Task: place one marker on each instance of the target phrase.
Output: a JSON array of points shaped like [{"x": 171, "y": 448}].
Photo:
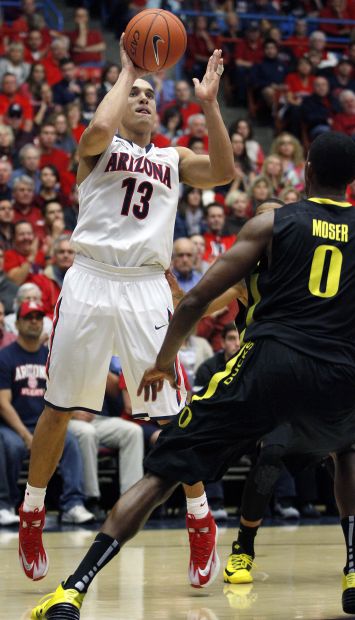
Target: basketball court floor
[{"x": 298, "y": 576}]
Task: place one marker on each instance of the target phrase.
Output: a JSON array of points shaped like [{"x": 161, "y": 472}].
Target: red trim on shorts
[{"x": 55, "y": 323}]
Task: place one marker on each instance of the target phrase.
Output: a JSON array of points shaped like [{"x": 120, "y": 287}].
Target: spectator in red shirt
[
  {"x": 5, "y": 175},
  {"x": 10, "y": 94},
  {"x": 183, "y": 103},
  {"x": 74, "y": 120},
  {"x": 342, "y": 77},
  {"x": 335, "y": 9},
  {"x": 50, "y": 155},
  {"x": 318, "y": 43},
  {"x": 51, "y": 281},
  {"x": 157, "y": 138},
  {"x": 34, "y": 47},
  {"x": 298, "y": 41},
  {"x": 344, "y": 121},
  {"x": 217, "y": 242},
  {"x": 87, "y": 46},
  {"x": 24, "y": 259},
  {"x": 200, "y": 45},
  {"x": 21, "y": 25},
  {"x": 25, "y": 206},
  {"x": 299, "y": 85},
  {"x": 196, "y": 129},
  {"x": 59, "y": 49},
  {"x": 248, "y": 51},
  {"x": 7, "y": 139}
]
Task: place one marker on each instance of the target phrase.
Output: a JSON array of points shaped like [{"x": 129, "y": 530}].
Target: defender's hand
[
  {"x": 207, "y": 89},
  {"x": 153, "y": 380}
]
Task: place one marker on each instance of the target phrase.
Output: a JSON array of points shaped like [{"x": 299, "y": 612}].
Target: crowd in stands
[{"x": 297, "y": 76}]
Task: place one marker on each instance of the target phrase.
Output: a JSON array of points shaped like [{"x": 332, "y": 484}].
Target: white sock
[
  {"x": 197, "y": 506},
  {"x": 34, "y": 498}
]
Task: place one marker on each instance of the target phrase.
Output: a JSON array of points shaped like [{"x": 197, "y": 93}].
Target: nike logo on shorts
[{"x": 160, "y": 326}]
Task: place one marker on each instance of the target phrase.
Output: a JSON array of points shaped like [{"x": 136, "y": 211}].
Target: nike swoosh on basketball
[
  {"x": 205, "y": 571},
  {"x": 160, "y": 326},
  {"x": 155, "y": 40},
  {"x": 27, "y": 566}
]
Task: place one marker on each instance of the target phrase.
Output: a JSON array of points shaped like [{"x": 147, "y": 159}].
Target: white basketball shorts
[{"x": 104, "y": 311}]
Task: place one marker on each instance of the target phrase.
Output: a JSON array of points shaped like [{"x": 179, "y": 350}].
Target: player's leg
[{"x": 344, "y": 489}]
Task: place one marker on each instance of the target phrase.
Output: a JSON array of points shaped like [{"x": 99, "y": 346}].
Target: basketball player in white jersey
[{"x": 115, "y": 298}]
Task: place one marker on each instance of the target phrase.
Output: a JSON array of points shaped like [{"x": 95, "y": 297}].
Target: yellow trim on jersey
[
  {"x": 328, "y": 201},
  {"x": 232, "y": 368},
  {"x": 255, "y": 295}
]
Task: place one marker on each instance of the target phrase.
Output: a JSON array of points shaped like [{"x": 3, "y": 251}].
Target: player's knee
[
  {"x": 56, "y": 418},
  {"x": 162, "y": 488}
]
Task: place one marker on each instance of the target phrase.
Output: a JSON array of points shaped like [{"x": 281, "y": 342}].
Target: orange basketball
[{"x": 155, "y": 39}]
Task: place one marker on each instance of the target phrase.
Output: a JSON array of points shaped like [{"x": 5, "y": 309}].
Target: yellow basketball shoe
[
  {"x": 59, "y": 605},
  {"x": 238, "y": 566},
  {"x": 348, "y": 598}
]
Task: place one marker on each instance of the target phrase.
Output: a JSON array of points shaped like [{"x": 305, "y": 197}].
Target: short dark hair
[
  {"x": 65, "y": 61},
  {"x": 229, "y": 327},
  {"x": 332, "y": 156}
]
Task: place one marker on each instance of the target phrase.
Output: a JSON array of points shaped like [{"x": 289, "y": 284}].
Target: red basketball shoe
[
  {"x": 32, "y": 555},
  {"x": 204, "y": 561}
]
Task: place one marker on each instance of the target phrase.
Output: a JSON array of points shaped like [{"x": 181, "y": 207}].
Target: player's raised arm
[
  {"x": 98, "y": 135},
  {"x": 253, "y": 241},
  {"x": 216, "y": 168}
]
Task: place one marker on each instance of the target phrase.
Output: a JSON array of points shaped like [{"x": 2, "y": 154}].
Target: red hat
[{"x": 29, "y": 306}]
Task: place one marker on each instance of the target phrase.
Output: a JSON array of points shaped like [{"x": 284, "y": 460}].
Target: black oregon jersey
[{"x": 305, "y": 298}]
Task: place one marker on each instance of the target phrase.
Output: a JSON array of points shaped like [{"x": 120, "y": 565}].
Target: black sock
[
  {"x": 246, "y": 537},
  {"x": 348, "y": 525},
  {"x": 103, "y": 549}
]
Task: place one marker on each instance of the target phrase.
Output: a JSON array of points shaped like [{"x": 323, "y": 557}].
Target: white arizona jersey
[{"x": 127, "y": 206}]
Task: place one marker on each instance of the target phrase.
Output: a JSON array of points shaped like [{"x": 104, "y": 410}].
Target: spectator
[
  {"x": 7, "y": 140},
  {"x": 342, "y": 77},
  {"x": 197, "y": 128},
  {"x": 183, "y": 102},
  {"x": 237, "y": 203},
  {"x": 319, "y": 108},
  {"x": 45, "y": 107},
  {"x": 290, "y": 151},
  {"x": 344, "y": 121},
  {"x": 31, "y": 89},
  {"x": 197, "y": 145},
  {"x": 34, "y": 47},
  {"x": 29, "y": 156},
  {"x": 200, "y": 45},
  {"x": 109, "y": 78},
  {"x": 7, "y": 505},
  {"x": 157, "y": 138},
  {"x": 6, "y": 338},
  {"x": 182, "y": 264},
  {"x": 27, "y": 292},
  {"x": 14, "y": 119},
  {"x": 74, "y": 119},
  {"x": 69, "y": 88},
  {"x": 14, "y": 63},
  {"x": 89, "y": 103},
  {"x": 63, "y": 257},
  {"x": 299, "y": 85},
  {"x": 298, "y": 41},
  {"x": 254, "y": 151},
  {"x": 50, "y": 188},
  {"x": 244, "y": 166},
  {"x": 59, "y": 49},
  {"x": 290, "y": 194},
  {"x": 318, "y": 43},
  {"x": 5, "y": 175},
  {"x": 268, "y": 76},
  {"x": 86, "y": 46},
  {"x": 192, "y": 211},
  {"x": 199, "y": 264},
  {"x": 172, "y": 124},
  {"x": 232, "y": 31},
  {"x": 335, "y": 9},
  {"x": 230, "y": 346},
  {"x": 8, "y": 289},
  {"x": 50, "y": 156},
  {"x": 259, "y": 191},
  {"x": 248, "y": 52},
  {"x": 24, "y": 259},
  {"x": 164, "y": 88},
  {"x": 192, "y": 353},
  {"x": 6, "y": 224},
  {"x": 285, "y": 52},
  {"x": 22, "y": 24},
  {"x": 10, "y": 94},
  {"x": 272, "y": 170},
  {"x": 217, "y": 242},
  {"x": 65, "y": 140},
  {"x": 22, "y": 387},
  {"x": 25, "y": 209},
  {"x": 109, "y": 432}
]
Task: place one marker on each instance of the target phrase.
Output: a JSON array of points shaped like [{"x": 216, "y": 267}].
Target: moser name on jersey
[
  {"x": 327, "y": 230},
  {"x": 128, "y": 163},
  {"x": 25, "y": 371}
]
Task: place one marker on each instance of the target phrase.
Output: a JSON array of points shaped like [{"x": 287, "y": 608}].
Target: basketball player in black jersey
[{"x": 297, "y": 365}]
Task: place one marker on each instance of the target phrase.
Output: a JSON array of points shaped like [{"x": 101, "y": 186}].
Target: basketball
[{"x": 155, "y": 39}]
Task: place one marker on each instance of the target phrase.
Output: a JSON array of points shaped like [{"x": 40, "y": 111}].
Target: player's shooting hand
[
  {"x": 153, "y": 380},
  {"x": 207, "y": 89},
  {"x": 127, "y": 64}
]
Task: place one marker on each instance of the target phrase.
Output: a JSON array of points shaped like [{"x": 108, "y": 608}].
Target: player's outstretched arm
[
  {"x": 216, "y": 168},
  {"x": 98, "y": 135},
  {"x": 254, "y": 240}
]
